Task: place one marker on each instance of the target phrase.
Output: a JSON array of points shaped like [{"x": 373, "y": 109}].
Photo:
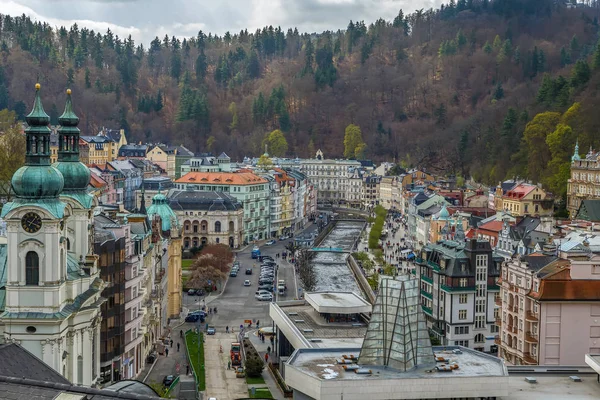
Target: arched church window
[
  {"x": 32, "y": 268},
  {"x": 218, "y": 226}
]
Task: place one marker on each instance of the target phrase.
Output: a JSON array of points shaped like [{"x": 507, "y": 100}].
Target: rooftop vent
[
  {"x": 298, "y": 321},
  {"x": 292, "y": 313},
  {"x": 343, "y": 361},
  {"x": 530, "y": 379},
  {"x": 575, "y": 378},
  {"x": 316, "y": 340},
  {"x": 307, "y": 330},
  {"x": 363, "y": 371},
  {"x": 457, "y": 351},
  {"x": 351, "y": 367}
]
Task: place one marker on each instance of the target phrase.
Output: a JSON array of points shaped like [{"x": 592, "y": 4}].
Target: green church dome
[
  {"x": 37, "y": 182},
  {"x": 76, "y": 175},
  {"x": 160, "y": 206}
]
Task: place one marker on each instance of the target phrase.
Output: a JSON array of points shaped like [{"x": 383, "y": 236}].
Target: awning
[
  {"x": 410, "y": 256},
  {"x": 406, "y": 251}
]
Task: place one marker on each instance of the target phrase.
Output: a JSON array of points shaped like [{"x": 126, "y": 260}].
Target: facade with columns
[
  {"x": 49, "y": 280},
  {"x": 584, "y": 183}
]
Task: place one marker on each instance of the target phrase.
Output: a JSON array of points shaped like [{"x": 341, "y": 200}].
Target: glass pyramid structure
[{"x": 397, "y": 336}]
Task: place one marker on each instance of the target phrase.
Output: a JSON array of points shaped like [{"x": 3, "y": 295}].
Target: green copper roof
[
  {"x": 76, "y": 175},
  {"x": 37, "y": 116},
  {"x": 85, "y": 199},
  {"x": 55, "y": 207},
  {"x": 160, "y": 206},
  {"x": 68, "y": 117},
  {"x": 37, "y": 182}
]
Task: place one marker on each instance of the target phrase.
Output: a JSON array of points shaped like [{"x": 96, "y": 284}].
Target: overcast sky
[{"x": 145, "y": 19}]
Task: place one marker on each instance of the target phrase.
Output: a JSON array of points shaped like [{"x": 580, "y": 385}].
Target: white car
[
  {"x": 262, "y": 291},
  {"x": 270, "y": 242},
  {"x": 264, "y": 297},
  {"x": 247, "y": 282}
]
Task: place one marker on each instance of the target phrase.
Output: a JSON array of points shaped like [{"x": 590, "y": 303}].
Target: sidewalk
[
  {"x": 221, "y": 382},
  {"x": 262, "y": 350}
]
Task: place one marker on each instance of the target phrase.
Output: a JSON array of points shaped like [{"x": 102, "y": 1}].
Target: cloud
[{"x": 145, "y": 19}]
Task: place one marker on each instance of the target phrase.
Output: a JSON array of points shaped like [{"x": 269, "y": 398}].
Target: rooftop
[
  {"x": 339, "y": 303},
  {"x": 222, "y": 178},
  {"x": 323, "y": 364}
]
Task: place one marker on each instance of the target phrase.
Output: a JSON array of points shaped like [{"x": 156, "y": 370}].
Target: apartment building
[
  {"x": 458, "y": 283},
  {"x": 525, "y": 199},
  {"x": 330, "y": 177},
  {"x": 371, "y": 188},
  {"x": 354, "y": 193},
  {"x": 550, "y": 308},
  {"x": 584, "y": 183},
  {"x": 248, "y": 188},
  {"x": 387, "y": 188}
]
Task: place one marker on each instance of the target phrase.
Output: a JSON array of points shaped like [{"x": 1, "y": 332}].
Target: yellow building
[
  {"x": 104, "y": 147},
  {"x": 165, "y": 157},
  {"x": 526, "y": 199},
  {"x": 584, "y": 183}
]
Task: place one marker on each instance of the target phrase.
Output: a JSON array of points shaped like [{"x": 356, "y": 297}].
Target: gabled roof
[
  {"x": 494, "y": 226},
  {"x": 589, "y": 210},
  {"x": 17, "y": 362},
  {"x": 520, "y": 191}
]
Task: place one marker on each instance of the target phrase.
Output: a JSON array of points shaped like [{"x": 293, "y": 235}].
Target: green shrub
[{"x": 254, "y": 367}]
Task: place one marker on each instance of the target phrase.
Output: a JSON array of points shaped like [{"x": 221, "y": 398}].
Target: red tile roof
[
  {"x": 494, "y": 226},
  {"x": 519, "y": 191},
  {"x": 222, "y": 178}
]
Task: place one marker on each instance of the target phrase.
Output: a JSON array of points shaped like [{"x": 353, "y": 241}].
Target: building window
[
  {"x": 462, "y": 298},
  {"x": 462, "y": 314},
  {"x": 32, "y": 268},
  {"x": 463, "y": 282},
  {"x": 480, "y": 322},
  {"x": 479, "y": 338},
  {"x": 218, "y": 226}
]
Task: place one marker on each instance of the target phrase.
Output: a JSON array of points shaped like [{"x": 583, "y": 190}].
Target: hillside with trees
[{"x": 482, "y": 88}]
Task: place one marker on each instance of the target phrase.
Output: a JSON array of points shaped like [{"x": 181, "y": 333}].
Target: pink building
[{"x": 550, "y": 308}]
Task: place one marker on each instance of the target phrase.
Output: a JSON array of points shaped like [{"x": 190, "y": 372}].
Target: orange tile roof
[
  {"x": 494, "y": 226},
  {"x": 520, "y": 191},
  {"x": 577, "y": 290},
  {"x": 97, "y": 182},
  {"x": 222, "y": 178}
]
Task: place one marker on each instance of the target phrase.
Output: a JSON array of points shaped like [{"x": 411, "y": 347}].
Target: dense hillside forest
[{"x": 482, "y": 88}]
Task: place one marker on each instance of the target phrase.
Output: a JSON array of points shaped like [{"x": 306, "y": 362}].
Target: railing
[
  {"x": 497, "y": 340},
  {"x": 427, "y": 310},
  {"x": 498, "y": 321},
  {"x": 529, "y": 359},
  {"x": 427, "y": 294},
  {"x": 531, "y": 317},
  {"x": 498, "y": 301},
  {"x": 530, "y": 338}
]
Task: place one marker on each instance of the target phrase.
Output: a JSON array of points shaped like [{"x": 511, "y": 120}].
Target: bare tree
[{"x": 306, "y": 270}]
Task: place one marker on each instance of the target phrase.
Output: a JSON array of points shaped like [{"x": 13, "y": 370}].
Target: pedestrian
[
  {"x": 257, "y": 323},
  {"x": 229, "y": 364},
  {"x": 272, "y": 340},
  {"x": 269, "y": 349},
  {"x": 178, "y": 344},
  {"x": 227, "y": 329},
  {"x": 166, "y": 352},
  {"x": 266, "y": 357},
  {"x": 181, "y": 333},
  {"x": 263, "y": 338},
  {"x": 171, "y": 343},
  {"x": 187, "y": 369}
]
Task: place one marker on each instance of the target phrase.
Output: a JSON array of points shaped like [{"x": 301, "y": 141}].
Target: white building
[{"x": 49, "y": 281}]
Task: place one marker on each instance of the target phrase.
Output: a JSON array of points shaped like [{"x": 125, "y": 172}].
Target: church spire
[
  {"x": 143, "y": 201},
  {"x": 77, "y": 175},
  {"x": 37, "y": 133},
  {"x": 576, "y": 152}
]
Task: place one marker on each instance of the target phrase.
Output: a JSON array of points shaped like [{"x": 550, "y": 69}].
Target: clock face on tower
[{"x": 31, "y": 222}]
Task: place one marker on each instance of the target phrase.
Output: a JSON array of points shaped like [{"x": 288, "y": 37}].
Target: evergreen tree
[
  {"x": 158, "y": 104},
  {"x": 499, "y": 92},
  {"x": 201, "y": 66},
  {"x": 253, "y": 68},
  {"x": 308, "y": 57},
  {"x": 565, "y": 57},
  {"x": 580, "y": 74},
  {"x": 88, "y": 83},
  {"x": 487, "y": 48},
  {"x": 70, "y": 76},
  {"x": 175, "y": 64},
  {"x": 596, "y": 58}
]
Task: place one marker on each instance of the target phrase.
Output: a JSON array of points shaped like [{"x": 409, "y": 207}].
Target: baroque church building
[{"x": 49, "y": 280}]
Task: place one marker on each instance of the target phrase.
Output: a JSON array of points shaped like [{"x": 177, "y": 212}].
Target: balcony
[
  {"x": 427, "y": 310},
  {"x": 531, "y": 317},
  {"x": 498, "y": 301},
  {"x": 426, "y": 294},
  {"x": 498, "y": 321},
  {"x": 529, "y": 338},
  {"x": 134, "y": 322},
  {"x": 529, "y": 359},
  {"x": 497, "y": 340},
  {"x": 511, "y": 350}
]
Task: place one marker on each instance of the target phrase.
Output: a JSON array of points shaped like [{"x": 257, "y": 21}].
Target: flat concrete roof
[
  {"x": 322, "y": 364},
  {"x": 338, "y": 303},
  {"x": 553, "y": 387}
]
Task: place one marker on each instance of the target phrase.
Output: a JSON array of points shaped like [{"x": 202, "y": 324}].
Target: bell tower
[{"x": 36, "y": 250}]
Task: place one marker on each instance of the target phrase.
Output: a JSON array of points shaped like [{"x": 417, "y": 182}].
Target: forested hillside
[{"x": 451, "y": 89}]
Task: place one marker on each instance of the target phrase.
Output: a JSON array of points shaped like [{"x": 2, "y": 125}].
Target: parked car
[
  {"x": 233, "y": 273},
  {"x": 258, "y": 292},
  {"x": 199, "y": 292},
  {"x": 265, "y": 281},
  {"x": 248, "y": 271},
  {"x": 264, "y": 297},
  {"x": 263, "y": 258},
  {"x": 247, "y": 282},
  {"x": 271, "y": 242},
  {"x": 211, "y": 330},
  {"x": 268, "y": 288},
  {"x": 168, "y": 380},
  {"x": 151, "y": 358},
  {"x": 191, "y": 292},
  {"x": 267, "y": 276}
]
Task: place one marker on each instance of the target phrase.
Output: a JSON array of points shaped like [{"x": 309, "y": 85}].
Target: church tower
[
  {"x": 77, "y": 178},
  {"x": 52, "y": 301}
]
